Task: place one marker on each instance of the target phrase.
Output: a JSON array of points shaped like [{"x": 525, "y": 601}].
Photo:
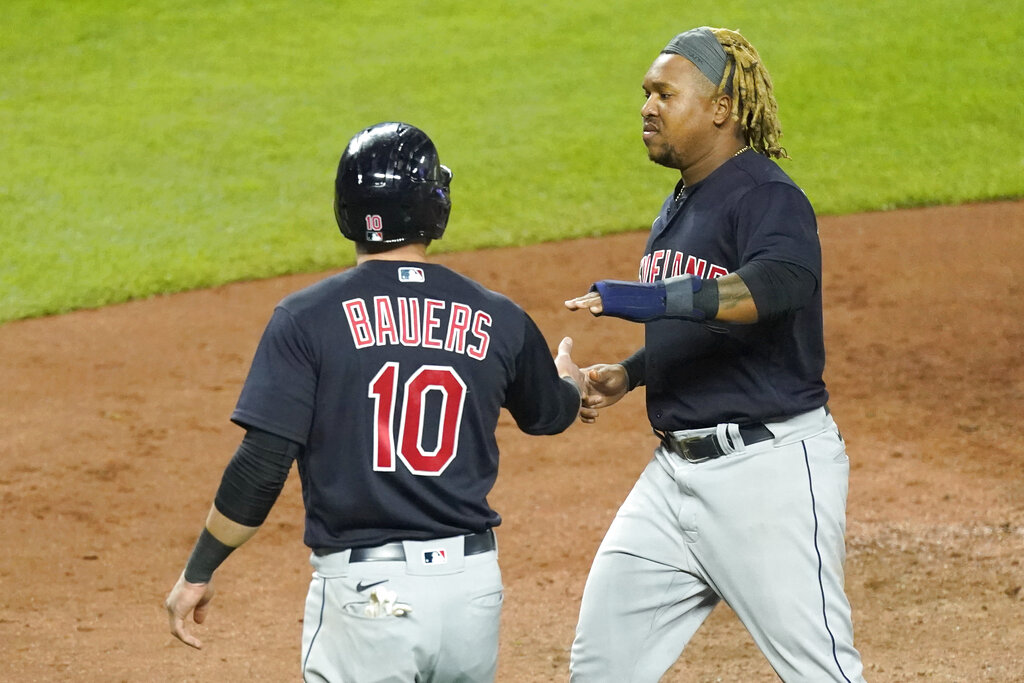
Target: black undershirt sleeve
[
  {"x": 635, "y": 369},
  {"x": 777, "y": 287},
  {"x": 540, "y": 401},
  {"x": 255, "y": 476}
]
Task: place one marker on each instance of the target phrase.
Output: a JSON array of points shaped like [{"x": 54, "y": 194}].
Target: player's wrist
[
  {"x": 684, "y": 296},
  {"x": 634, "y": 301},
  {"x": 691, "y": 298},
  {"x": 634, "y": 368},
  {"x": 575, "y": 384},
  {"x": 207, "y": 555}
]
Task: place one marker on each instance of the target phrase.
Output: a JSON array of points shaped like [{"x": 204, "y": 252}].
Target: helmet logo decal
[{"x": 374, "y": 226}]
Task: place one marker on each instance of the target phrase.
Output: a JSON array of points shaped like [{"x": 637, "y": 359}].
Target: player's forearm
[
  {"x": 735, "y": 303},
  {"x": 227, "y": 531},
  {"x": 558, "y": 407},
  {"x": 763, "y": 290},
  {"x": 219, "y": 538},
  {"x": 685, "y": 297},
  {"x": 248, "y": 489},
  {"x": 759, "y": 290}
]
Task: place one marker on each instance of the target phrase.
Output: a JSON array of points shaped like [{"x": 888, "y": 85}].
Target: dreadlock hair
[{"x": 753, "y": 102}]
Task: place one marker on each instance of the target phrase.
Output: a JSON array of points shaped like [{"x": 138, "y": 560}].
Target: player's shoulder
[
  {"x": 757, "y": 169},
  {"x": 754, "y": 178},
  {"x": 467, "y": 287},
  {"x": 316, "y": 294}
]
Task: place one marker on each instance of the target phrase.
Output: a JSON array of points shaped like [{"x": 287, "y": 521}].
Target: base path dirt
[{"x": 115, "y": 433}]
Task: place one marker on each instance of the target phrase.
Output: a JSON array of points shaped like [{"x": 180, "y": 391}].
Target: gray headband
[{"x": 700, "y": 46}]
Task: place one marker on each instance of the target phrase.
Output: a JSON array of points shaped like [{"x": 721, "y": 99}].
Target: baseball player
[
  {"x": 384, "y": 384},
  {"x": 745, "y": 497}
]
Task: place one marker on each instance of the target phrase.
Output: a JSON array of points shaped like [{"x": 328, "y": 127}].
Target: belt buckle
[{"x": 683, "y": 446}]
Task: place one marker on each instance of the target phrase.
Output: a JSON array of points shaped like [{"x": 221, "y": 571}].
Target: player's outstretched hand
[
  {"x": 567, "y": 366},
  {"x": 605, "y": 385},
  {"x": 590, "y": 301},
  {"x": 184, "y": 599}
]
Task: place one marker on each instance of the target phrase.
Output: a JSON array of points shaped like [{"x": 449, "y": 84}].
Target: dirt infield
[{"x": 115, "y": 433}]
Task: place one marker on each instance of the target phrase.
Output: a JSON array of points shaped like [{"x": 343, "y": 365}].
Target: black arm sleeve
[
  {"x": 207, "y": 554},
  {"x": 777, "y": 287},
  {"x": 255, "y": 476},
  {"x": 540, "y": 401},
  {"x": 635, "y": 368}
]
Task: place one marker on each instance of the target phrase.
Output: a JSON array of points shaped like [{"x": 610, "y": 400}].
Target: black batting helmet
[{"x": 391, "y": 188}]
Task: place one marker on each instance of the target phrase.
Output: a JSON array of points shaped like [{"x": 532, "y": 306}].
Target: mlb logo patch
[
  {"x": 408, "y": 274},
  {"x": 374, "y": 225},
  {"x": 435, "y": 556}
]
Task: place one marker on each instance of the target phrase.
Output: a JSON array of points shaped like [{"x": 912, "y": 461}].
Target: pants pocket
[{"x": 489, "y": 600}]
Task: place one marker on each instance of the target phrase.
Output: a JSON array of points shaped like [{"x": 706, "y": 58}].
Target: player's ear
[{"x": 722, "y": 108}]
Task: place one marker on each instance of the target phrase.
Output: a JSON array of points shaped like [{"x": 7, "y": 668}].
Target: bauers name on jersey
[{"x": 411, "y": 321}]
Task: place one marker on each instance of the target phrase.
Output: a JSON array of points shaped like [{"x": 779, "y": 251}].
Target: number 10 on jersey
[{"x": 383, "y": 390}]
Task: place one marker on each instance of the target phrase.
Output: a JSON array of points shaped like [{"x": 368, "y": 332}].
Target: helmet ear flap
[{"x": 390, "y": 187}]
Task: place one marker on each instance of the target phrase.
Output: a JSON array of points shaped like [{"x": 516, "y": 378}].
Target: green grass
[{"x": 155, "y": 147}]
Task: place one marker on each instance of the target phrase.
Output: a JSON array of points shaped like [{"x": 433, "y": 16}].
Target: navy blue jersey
[
  {"x": 698, "y": 374},
  {"x": 391, "y": 375}
]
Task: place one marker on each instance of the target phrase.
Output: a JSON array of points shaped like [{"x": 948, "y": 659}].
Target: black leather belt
[
  {"x": 473, "y": 544},
  {"x": 699, "y": 448}
]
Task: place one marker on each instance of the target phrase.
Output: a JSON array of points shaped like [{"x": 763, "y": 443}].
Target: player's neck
[
  {"x": 724, "y": 149},
  {"x": 406, "y": 252}
]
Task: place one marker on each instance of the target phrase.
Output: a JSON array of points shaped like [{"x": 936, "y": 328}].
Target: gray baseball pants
[
  {"x": 450, "y": 634},
  {"x": 761, "y": 528}
]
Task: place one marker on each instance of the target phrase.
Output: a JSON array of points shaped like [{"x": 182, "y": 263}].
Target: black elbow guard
[{"x": 255, "y": 476}]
